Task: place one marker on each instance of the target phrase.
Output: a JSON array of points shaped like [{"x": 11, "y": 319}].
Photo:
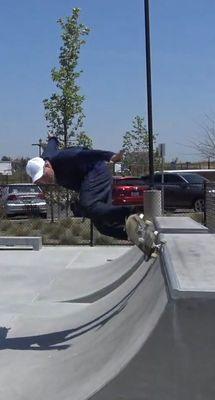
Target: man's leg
[
  {"x": 115, "y": 230},
  {"x": 110, "y": 213},
  {"x": 95, "y": 197}
]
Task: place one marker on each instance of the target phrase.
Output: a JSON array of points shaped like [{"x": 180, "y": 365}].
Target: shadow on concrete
[{"x": 54, "y": 340}]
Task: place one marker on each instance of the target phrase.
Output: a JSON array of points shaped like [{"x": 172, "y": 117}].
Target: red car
[{"x": 128, "y": 190}]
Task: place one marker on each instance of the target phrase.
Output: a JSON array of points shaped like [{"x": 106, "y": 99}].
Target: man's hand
[
  {"x": 51, "y": 135},
  {"x": 117, "y": 157}
]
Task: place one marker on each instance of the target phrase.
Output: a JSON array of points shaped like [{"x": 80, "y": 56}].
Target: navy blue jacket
[{"x": 72, "y": 164}]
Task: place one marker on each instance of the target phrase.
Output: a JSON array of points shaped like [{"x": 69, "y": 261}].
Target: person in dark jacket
[{"x": 88, "y": 173}]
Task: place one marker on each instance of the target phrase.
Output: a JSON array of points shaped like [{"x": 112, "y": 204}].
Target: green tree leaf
[{"x": 136, "y": 147}]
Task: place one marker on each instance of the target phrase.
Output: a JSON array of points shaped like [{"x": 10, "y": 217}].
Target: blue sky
[{"x": 113, "y": 61}]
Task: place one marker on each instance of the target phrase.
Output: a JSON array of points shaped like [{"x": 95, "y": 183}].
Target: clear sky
[{"x": 113, "y": 63}]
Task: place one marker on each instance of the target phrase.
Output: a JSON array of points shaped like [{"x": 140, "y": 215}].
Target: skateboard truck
[
  {"x": 143, "y": 234},
  {"x": 150, "y": 243}
]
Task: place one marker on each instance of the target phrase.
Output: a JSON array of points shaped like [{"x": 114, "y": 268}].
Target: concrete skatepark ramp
[{"x": 78, "y": 324}]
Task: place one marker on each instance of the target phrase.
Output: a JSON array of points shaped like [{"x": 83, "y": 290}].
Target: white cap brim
[
  {"x": 35, "y": 168},
  {"x": 39, "y": 174}
]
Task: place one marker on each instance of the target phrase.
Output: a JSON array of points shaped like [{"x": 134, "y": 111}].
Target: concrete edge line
[{"x": 172, "y": 283}]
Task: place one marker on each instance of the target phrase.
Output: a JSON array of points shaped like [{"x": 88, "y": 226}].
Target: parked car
[
  {"x": 181, "y": 190},
  {"x": 128, "y": 190},
  {"x": 23, "y": 199}
]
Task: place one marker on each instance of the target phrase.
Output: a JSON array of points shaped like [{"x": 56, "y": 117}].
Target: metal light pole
[
  {"x": 149, "y": 93},
  {"x": 152, "y": 198},
  {"x": 39, "y": 144}
]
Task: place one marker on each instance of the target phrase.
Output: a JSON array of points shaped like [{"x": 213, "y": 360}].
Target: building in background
[{"x": 5, "y": 171}]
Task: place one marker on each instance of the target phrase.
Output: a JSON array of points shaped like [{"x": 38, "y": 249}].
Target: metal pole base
[{"x": 152, "y": 204}]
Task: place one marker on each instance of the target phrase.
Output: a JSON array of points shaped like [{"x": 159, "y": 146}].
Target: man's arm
[
  {"x": 97, "y": 155},
  {"x": 51, "y": 149},
  {"x": 117, "y": 157}
]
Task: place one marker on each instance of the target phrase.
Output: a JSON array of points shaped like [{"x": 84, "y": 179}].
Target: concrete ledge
[
  {"x": 21, "y": 242},
  {"x": 188, "y": 262},
  {"x": 178, "y": 225}
]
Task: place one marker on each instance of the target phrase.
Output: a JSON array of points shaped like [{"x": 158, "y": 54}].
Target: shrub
[
  {"x": 55, "y": 231},
  {"x": 5, "y": 225},
  {"x": 2, "y": 212},
  {"x": 20, "y": 230},
  {"x": 48, "y": 227},
  {"x": 85, "y": 234},
  {"x": 106, "y": 240},
  {"x": 36, "y": 223},
  {"x": 68, "y": 238},
  {"x": 77, "y": 229},
  {"x": 66, "y": 223}
]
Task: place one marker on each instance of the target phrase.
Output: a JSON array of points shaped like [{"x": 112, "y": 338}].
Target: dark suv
[{"x": 181, "y": 190}]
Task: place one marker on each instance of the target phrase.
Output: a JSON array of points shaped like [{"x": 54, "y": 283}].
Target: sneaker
[
  {"x": 143, "y": 235},
  {"x": 134, "y": 226},
  {"x": 148, "y": 241}
]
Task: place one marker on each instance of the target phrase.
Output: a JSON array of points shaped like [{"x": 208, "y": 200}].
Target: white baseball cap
[{"x": 35, "y": 168}]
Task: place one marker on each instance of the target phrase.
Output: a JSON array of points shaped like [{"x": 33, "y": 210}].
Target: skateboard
[{"x": 143, "y": 234}]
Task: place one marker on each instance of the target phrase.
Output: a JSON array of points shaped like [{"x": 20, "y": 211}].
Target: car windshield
[
  {"x": 24, "y": 189},
  {"x": 194, "y": 178}
]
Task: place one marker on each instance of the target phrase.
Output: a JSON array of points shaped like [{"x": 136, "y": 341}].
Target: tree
[
  {"x": 83, "y": 140},
  {"x": 206, "y": 146},
  {"x": 136, "y": 146},
  {"x": 63, "y": 110}
]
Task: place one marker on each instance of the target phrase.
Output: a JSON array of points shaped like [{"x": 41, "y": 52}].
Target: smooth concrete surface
[
  {"x": 190, "y": 264},
  {"x": 63, "y": 350},
  {"x": 177, "y": 361},
  {"x": 101, "y": 323},
  {"x": 178, "y": 224},
  {"x": 24, "y": 275},
  {"x": 95, "y": 282}
]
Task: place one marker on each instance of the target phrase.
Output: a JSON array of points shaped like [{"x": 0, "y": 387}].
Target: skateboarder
[{"x": 88, "y": 173}]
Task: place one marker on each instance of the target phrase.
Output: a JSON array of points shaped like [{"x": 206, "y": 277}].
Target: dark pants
[{"x": 96, "y": 202}]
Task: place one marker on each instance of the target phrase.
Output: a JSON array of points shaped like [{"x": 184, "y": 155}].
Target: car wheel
[{"x": 199, "y": 205}]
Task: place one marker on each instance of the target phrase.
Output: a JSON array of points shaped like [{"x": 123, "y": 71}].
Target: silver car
[{"x": 23, "y": 199}]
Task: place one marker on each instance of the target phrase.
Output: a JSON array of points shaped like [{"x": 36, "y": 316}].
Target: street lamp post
[
  {"x": 149, "y": 93},
  {"x": 39, "y": 144}
]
